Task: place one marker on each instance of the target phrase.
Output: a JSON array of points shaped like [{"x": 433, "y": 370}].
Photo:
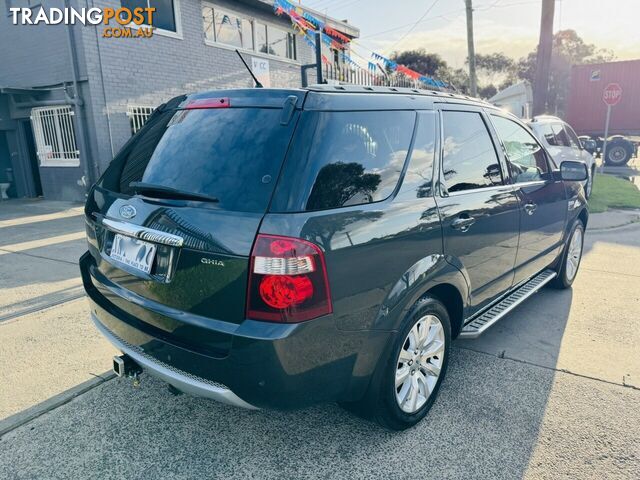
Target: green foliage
[
  {"x": 419, "y": 60},
  {"x": 568, "y": 49},
  {"x": 613, "y": 192},
  {"x": 496, "y": 71}
]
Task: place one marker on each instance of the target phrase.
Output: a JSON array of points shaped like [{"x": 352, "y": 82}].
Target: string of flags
[{"x": 305, "y": 23}]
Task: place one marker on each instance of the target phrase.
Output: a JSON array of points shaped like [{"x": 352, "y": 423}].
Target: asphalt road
[{"x": 552, "y": 391}]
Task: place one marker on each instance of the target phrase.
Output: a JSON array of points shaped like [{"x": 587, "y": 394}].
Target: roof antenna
[{"x": 258, "y": 84}]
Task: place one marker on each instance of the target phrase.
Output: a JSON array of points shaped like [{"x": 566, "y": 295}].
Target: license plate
[{"x": 133, "y": 252}]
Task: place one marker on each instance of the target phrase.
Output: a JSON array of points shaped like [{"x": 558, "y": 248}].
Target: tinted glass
[
  {"x": 571, "y": 135},
  {"x": 561, "y": 135},
  {"x": 344, "y": 158},
  {"x": 526, "y": 159},
  {"x": 232, "y": 154},
  {"x": 548, "y": 134},
  {"x": 469, "y": 157},
  {"x": 419, "y": 175},
  {"x": 163, "y": 17}
]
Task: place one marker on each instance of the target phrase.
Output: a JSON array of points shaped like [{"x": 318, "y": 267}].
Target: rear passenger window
[
  {"x": 526, "y": 159},
  {"x": 340, "y": 159},
  {"x": 549, "y": 135},
  {"x": 561, "y": 135},
  {"x": 571, "y": 135},
  {"x": 469, "y": 158}
]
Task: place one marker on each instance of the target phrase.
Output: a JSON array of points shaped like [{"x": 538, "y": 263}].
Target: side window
[
  {"x": 469, "y": 158},
  {"x": 549, "y": 134},
  {"x": 165, "y": 15},
  {"x": 352, "y": 158},
  {"x": 419, "y": 175},
  {"x": 561, "y": 135},
  {"x": 525, "y": 157},
  {"x": 571, "y": 135}
]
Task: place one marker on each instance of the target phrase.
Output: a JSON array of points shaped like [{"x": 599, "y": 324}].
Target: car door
[
  {"x": 479, "y": 211},
  {"x": 543, "y": 200},
  {"x": 578, "y": 149}
]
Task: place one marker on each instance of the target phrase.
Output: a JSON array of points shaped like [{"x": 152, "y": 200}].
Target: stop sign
[{"x": 612, "y": 94}]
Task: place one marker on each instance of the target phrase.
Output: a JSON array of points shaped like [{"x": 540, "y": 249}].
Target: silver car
[{"x": 563, "y": 144}]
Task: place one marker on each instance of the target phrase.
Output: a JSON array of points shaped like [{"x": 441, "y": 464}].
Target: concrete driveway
[{"x": 552, "y": 391}]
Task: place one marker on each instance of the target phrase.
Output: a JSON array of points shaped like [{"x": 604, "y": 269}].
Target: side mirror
[{"x": 571, "y": 171}]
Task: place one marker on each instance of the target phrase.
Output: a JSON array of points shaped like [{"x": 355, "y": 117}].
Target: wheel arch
[
  {"x": 583, "y": 216},
  {"x": 432, "y": 276}
]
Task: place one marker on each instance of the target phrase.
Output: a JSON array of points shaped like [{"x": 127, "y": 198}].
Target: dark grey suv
[{"x": 278, "y": 248}]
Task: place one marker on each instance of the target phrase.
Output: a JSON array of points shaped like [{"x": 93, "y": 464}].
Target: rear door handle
[
  {"x": 530, "y": 208},
  {"x": 463, "y": 223}
]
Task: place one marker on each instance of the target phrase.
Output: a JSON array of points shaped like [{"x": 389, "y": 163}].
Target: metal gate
[{"x": 55, "y": 138}]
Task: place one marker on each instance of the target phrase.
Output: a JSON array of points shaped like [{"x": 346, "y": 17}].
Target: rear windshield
[
  {"x": 340, "y": 159},
  {"x": 232, "y": 154}
]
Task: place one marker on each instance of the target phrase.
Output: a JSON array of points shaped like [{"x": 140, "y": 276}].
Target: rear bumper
[
  {"x": 183, "y": 381},
  {"x": 261, "y": 364}
]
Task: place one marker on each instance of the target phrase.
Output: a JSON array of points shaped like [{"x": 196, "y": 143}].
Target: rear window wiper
[{"x": 169, "y": 192}]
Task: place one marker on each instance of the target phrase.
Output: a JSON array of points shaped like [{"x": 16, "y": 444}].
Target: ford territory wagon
[{"x": 277, "y": 248}]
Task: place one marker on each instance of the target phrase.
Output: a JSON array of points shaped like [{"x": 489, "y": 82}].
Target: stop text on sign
[{"x": 612, "y": 94}]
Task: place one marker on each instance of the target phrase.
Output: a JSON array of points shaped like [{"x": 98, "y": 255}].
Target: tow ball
[{"x": 124, "y": 366}]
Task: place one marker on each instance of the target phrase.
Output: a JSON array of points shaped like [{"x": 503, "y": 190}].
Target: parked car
[
  {"x": 279, "y": 248},
  {"x": 590, "y": 145},
  {"x": 563, "y": 144}
]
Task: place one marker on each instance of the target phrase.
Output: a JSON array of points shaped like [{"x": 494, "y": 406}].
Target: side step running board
[{"x": 480, "y": 324}]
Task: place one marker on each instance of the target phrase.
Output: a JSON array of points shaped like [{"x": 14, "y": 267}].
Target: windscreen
[{"x": 232, "y": 154}]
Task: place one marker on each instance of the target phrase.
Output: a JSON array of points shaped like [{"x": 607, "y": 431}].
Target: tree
[
  {"x": 568, "y": 49},
  {"x": 459, "y": 78},
  {"x": 419, "y": 60},
  {"x": 495, "y": 67}
]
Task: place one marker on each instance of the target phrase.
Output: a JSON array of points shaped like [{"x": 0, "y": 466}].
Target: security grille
[
  {"x": 138, "y": 116},
  {"x": 55, "y": 138}
]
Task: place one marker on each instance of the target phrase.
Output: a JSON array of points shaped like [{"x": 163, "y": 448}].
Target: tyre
[
  {"x": 567, "y": 269},
  {"x": 618, "y": 153},
  {"x": 407, "y": 383}
]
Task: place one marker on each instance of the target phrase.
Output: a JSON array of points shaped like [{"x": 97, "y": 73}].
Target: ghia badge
[
  {"x": 128, "y": 211},
  {"x": 212, "y": 261}
]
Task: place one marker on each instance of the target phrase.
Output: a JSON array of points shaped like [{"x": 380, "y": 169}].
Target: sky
[{"x": 508, "y": 26}]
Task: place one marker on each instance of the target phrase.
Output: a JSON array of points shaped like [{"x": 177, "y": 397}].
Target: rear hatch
[{"x": 172, "y": 221}]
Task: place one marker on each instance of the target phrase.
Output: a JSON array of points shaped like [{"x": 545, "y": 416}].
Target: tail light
[{"x": 288, "y": 280}]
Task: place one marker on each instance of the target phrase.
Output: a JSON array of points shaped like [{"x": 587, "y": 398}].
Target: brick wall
[{"x": 149, "y": 71}]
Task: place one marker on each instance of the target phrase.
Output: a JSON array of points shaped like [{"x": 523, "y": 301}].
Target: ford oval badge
[{"x": 128, "y": 211}]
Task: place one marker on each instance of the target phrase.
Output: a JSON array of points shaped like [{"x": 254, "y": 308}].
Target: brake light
[
  {"x": 288, "y": 280},
  {"x": 208, "y": 103}
]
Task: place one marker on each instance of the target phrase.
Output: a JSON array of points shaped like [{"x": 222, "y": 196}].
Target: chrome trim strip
[
  {"x": 499, "y": 310},
  {"x": 506, "y": 187},
  {"x": 180, "y": 379},
  {"x": 143, "y": 233}
]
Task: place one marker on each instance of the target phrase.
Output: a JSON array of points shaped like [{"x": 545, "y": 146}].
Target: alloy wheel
[
  {"x": 419, "y": 363},
  {"x": 574, "y": 254}
]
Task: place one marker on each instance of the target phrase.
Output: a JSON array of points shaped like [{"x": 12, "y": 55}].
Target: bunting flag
[{"x": 304, "y": 23}]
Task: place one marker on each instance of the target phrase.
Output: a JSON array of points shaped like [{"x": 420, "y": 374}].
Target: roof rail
[
  {"x": 350, "y": 88},
  {"x": 538, "y": 118}
]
